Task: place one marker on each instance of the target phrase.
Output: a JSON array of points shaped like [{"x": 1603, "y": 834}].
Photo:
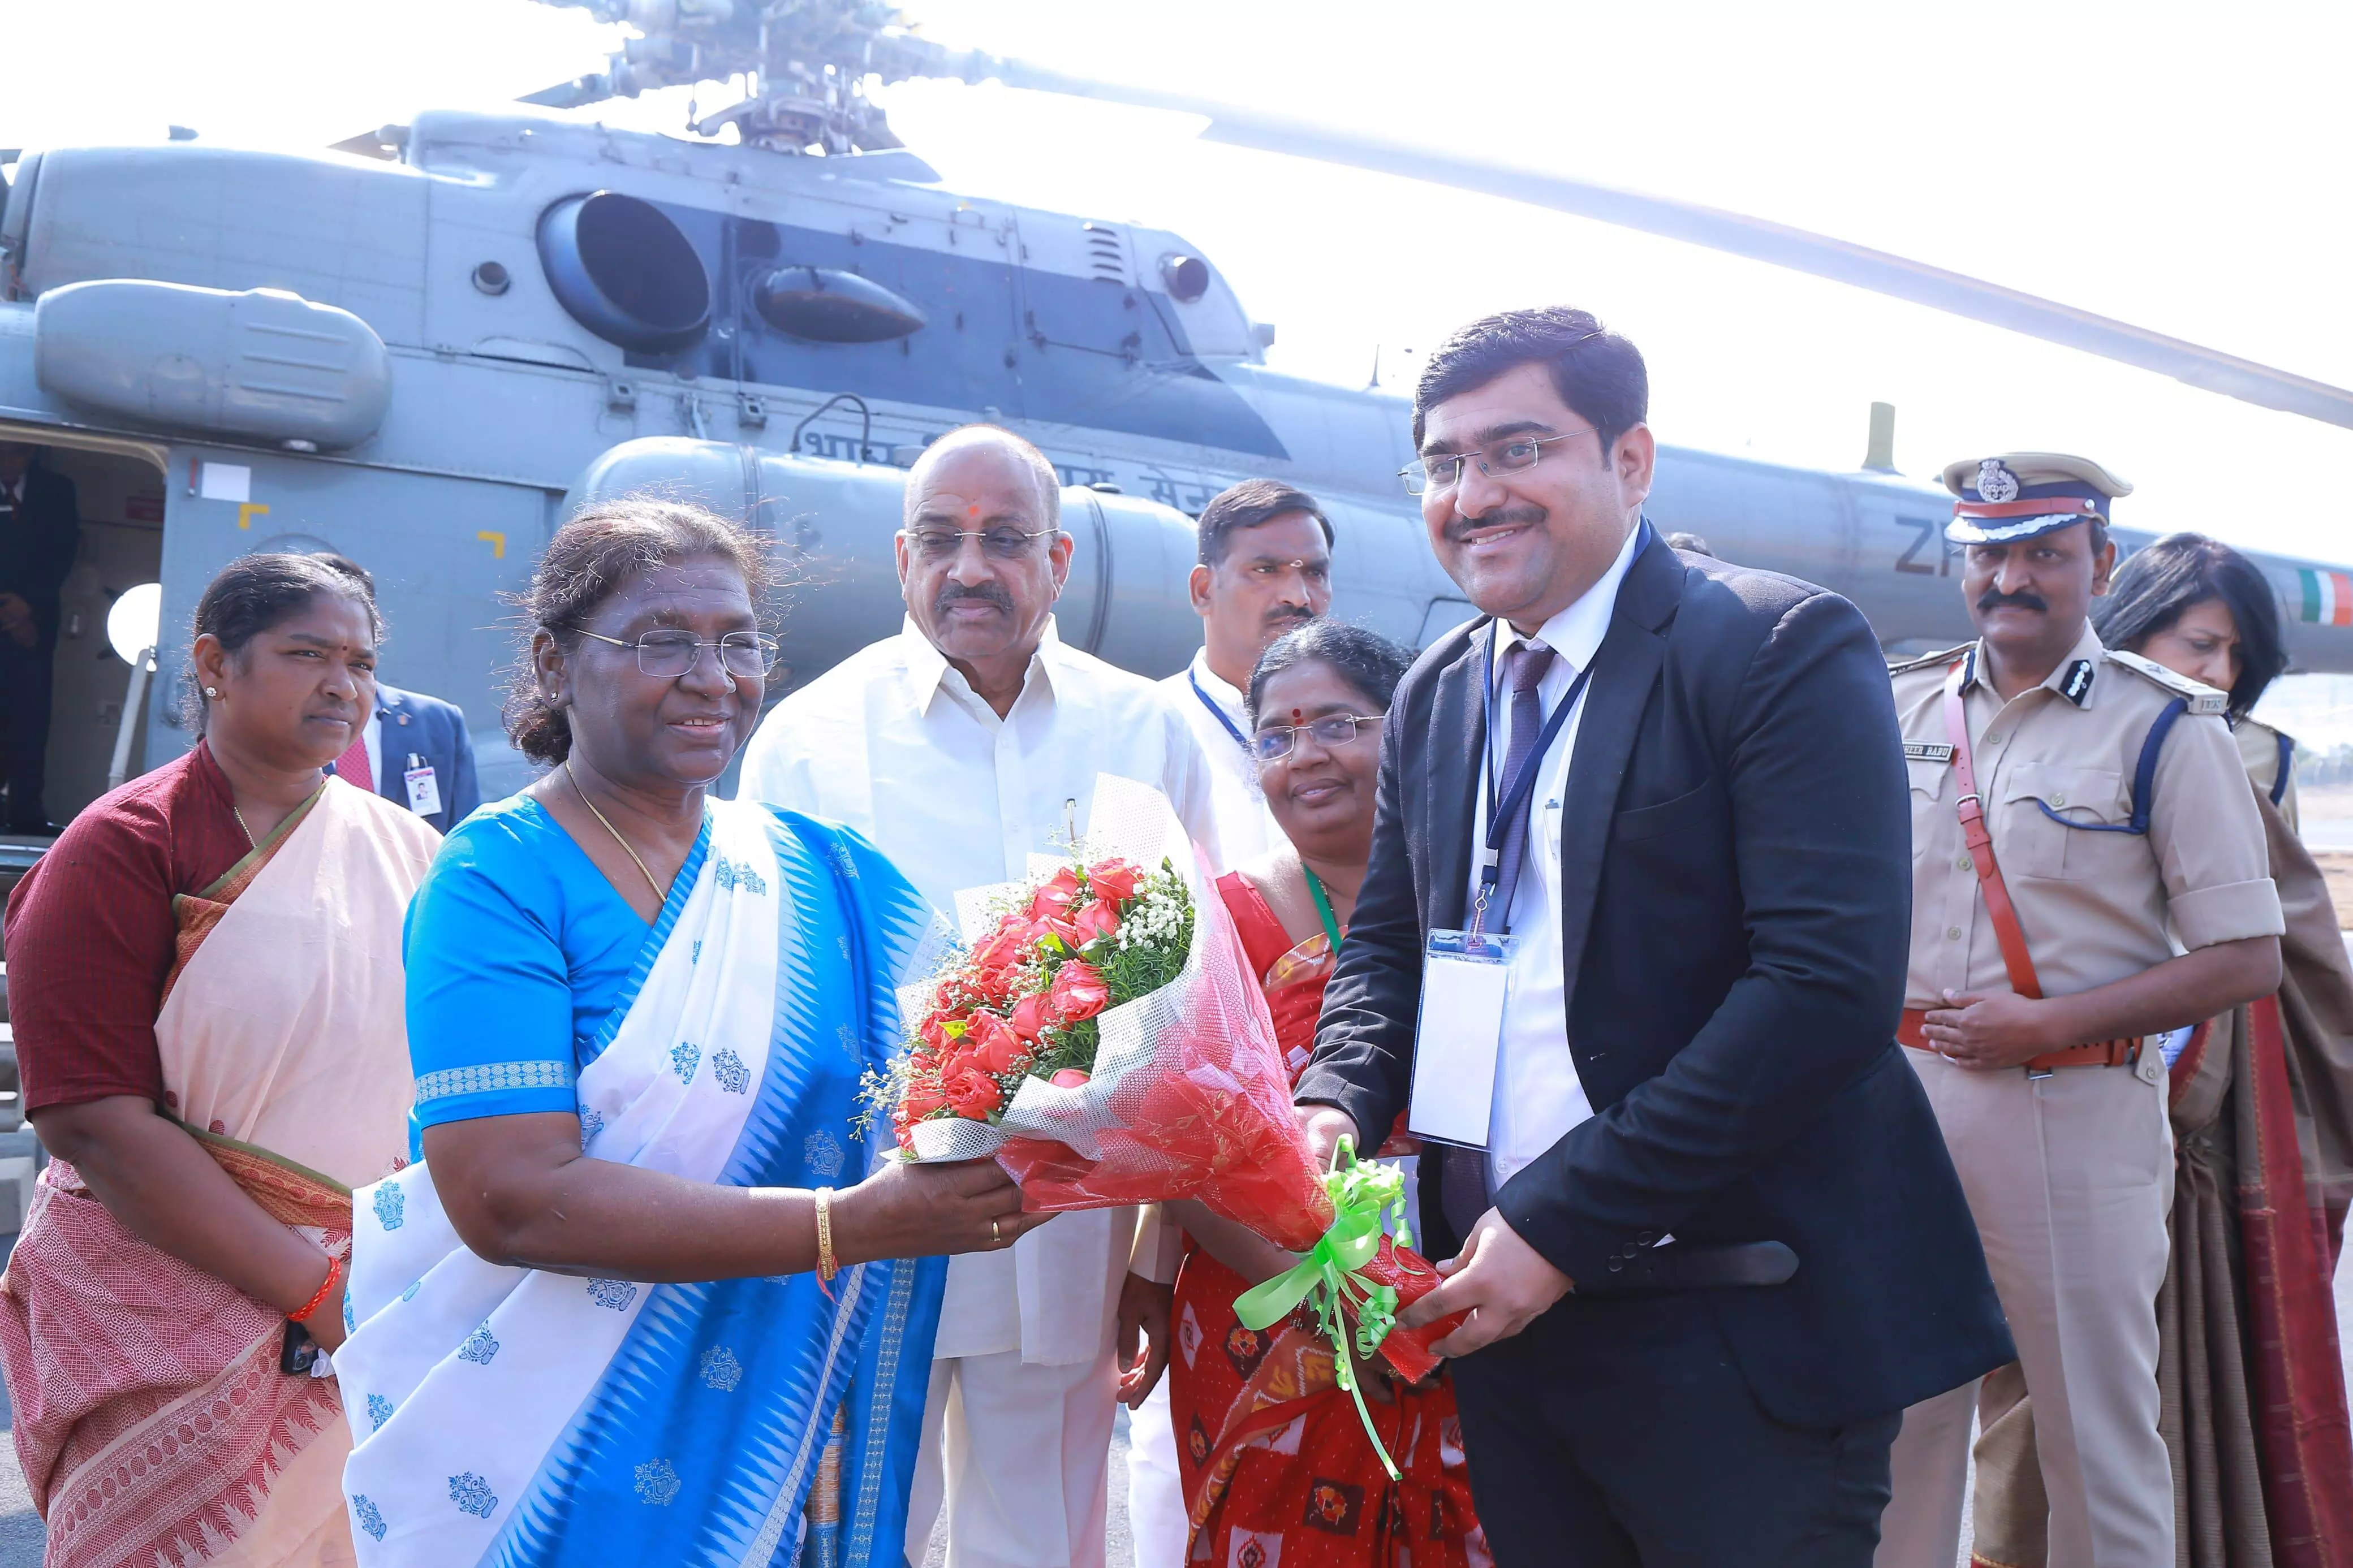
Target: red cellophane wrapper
[{"x": 1193, "y": 1100}]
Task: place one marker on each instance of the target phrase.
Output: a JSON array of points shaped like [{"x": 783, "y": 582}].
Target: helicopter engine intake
[{"x": 624, "y": 270}]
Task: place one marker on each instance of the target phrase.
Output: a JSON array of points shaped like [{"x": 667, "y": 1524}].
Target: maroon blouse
[{"x": 90, "y": 934}]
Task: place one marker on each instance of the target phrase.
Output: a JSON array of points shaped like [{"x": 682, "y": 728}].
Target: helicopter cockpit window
[
  {"x": 626, "y": 272},
  {"x": 826, "y": 305}
]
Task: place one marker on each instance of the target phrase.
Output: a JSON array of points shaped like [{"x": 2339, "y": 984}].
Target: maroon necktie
[
  {"x": 353, "y": 765},
  {"x": 1523, "y": 668}
]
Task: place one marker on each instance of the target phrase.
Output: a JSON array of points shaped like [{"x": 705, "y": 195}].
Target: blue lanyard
[{"x": 1210, "y": 703}]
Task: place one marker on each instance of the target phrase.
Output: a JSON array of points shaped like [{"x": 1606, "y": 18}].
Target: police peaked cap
[{"x": 2021, "y": 494}]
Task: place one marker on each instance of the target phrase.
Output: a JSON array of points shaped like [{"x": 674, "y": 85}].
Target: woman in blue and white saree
[{"x": 590, "y": 1326}]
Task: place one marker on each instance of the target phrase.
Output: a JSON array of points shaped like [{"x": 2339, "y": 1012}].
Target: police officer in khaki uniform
[{"x": 2088, "y": 870}]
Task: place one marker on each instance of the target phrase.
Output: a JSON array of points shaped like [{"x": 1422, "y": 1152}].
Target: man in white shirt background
[
  {"x": 961, "y": 747},
  {"x": 1265, "y": 568}
]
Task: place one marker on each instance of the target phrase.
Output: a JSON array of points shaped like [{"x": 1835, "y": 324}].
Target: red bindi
[{"x": 1296, "y": 715}]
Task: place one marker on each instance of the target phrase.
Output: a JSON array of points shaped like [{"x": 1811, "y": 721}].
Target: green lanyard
[{"x": 1322, "y": 907}]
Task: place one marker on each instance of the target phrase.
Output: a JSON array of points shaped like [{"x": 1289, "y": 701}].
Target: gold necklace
[
  {"x": 659, "y": 896},
  {"x": 250, "y": 842}
]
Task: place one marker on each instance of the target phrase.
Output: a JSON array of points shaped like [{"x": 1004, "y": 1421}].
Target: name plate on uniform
[
  {"x": 1928, "y": 752},
  {"x": 1465, "y": 979}
]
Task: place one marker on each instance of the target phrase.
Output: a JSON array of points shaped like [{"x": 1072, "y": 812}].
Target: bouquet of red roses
[{"x": 1104, "y": 1039}]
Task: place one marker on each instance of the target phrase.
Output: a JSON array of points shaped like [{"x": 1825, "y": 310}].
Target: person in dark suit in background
[
  {"x": 414, "y": 751},
  {"x": 41, "y": 529},
  {"x": 1705, "y": 865}
]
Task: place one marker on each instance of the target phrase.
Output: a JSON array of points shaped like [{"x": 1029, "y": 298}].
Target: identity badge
[
  {"x": 423, "y": 789},
  {"x": 1465, "y": 978}
]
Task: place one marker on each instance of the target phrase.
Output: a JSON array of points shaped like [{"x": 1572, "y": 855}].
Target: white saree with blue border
[{"x": 507, "y": 1415}]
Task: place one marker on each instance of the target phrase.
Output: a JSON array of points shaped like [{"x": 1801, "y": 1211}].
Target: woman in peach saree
[{"x": 207, "y": 1007}]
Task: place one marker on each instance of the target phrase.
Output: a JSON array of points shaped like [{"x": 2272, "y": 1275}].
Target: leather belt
[
  {"x": 2008, "y": 935},
  {"x": 2122, "y": 1053}
]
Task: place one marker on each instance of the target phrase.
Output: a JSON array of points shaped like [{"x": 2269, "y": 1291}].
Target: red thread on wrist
[{"x": 334, "y": 1272}]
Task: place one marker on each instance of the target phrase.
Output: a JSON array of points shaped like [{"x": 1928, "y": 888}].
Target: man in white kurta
[
  {"x": 1265, "y": 568},
  {"x": 962, "y": 747}
]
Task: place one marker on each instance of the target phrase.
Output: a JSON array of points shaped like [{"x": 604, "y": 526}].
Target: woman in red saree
[
  {"x": 206, "y": 994},
  {"x": 1274, "y": 1460},
  {"x": 2253, "y": 1403}
]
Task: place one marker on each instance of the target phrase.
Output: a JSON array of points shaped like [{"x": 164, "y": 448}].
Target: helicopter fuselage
[{"x": 518, "y": 314}]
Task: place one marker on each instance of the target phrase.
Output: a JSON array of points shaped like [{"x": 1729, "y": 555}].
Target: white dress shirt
[
  {"x": 1538, "y": 1095},
  {"x": 894, "y": 743},
  {"x": 1246, "y": 828}
]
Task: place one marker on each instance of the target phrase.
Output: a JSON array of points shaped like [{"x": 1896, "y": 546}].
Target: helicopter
[{"x": 425, "y": 346}]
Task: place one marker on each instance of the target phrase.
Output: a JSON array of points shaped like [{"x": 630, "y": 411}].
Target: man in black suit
[
  {"x": 1705, "y": 867},
  {"x": 41, "y": 529},
  {"x": 415, "y": 750}
]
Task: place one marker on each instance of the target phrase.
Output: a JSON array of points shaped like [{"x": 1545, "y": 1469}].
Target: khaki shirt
[
  {"x": 2259, "y": 750},
  {"x": 2095, "y": 907}
]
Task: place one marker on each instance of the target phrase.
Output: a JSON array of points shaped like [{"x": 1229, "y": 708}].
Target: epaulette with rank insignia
[
  {"x": 1943, "y": 660},
  {"x": 2199, "y": 696}
]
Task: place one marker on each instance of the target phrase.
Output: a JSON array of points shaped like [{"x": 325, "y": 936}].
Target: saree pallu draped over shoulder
[
  {"x": 512, "y": 1416},
  {"x": 151, "y": 1421}
]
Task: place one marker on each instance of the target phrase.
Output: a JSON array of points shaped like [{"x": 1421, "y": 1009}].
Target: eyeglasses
[
  {"x": 1275, "y": 742},
  {"x": 997, "y": 543},
  {"x": 1510, "y": 457},
  {"x": 669, "y": 655}
]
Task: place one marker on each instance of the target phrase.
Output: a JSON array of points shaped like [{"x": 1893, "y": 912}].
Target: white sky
[{"x": 2181, "y": 167}]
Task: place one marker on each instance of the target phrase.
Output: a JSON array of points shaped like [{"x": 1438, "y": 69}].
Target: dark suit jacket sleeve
[
  {"x": 58, "y": 538},
  {"x": 1821, "y": 831},
  {"x": 1364, "y": 1058},
  {"x": 465, "y": 791}
]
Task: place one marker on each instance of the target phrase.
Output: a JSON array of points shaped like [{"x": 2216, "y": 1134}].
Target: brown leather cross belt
[
  {"x": 2098, "y": 1054},
  {"x": 2008, "y": 935}
]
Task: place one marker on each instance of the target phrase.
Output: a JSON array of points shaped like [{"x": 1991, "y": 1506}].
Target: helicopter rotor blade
[
  {"x": 571, "y": 94},
  {"x": 1758, "y": 239}
]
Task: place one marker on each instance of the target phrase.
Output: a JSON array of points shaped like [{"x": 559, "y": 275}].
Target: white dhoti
[
  {"x": 2070, "y": 1177},
  {"x": 1024, "y": 1393},
  {"x": 1020, "y": 1454},
  {"x": 1155, "y": 1491}
]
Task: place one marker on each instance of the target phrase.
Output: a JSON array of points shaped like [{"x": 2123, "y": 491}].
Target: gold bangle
[{"x": 828, "y": 1266}]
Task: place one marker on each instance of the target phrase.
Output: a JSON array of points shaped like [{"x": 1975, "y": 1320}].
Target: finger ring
[{"x": 995, "y": 1235}]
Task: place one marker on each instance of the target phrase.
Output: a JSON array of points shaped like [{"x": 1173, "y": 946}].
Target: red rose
[
  {"x": 939, "y": 1030},
  {"x": 1007, "y": 945},
  {"x": 974, "y": 1094},
  {"x": 1069, "y": 1078},
  {"x": 1078, "y": 992},
  {"x": 1097, "y": 920},
  {"x": 995, "y": 1047},
  {"x": 1060, "y": 928},
  {"x": 996, "y": 988},
  {"x": 1033, "y": 1015},
  {"x": 1113, "y": 880},
  {"x": 1056, "y": 895},
  {"x": 923, "y": 1100}
]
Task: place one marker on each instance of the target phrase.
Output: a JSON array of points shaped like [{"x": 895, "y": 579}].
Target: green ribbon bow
[{"x": 1326, "y": 1277}]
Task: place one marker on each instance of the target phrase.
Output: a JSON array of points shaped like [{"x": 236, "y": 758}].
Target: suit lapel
[
  {"x": 1457, "y": 738},
  {"x": 1625, "y": 669},
  {"x": 393, "y": 782}
]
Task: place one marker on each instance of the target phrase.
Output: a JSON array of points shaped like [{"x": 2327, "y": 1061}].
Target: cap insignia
[{"x": 1995, "y": 483}]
